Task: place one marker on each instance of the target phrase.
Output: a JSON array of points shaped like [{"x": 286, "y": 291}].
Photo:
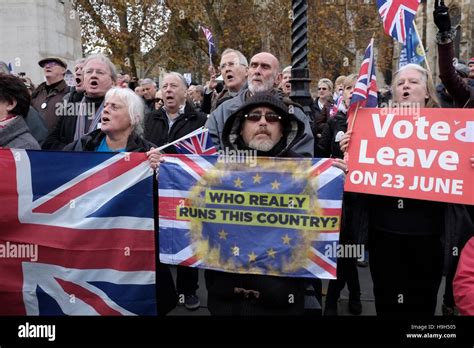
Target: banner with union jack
[
  {"x": 365, "y": 90},
  {"x": 94, "y": 250},
  {"x": 280, "y": 217},
  {"x": 397, "y": 16}
]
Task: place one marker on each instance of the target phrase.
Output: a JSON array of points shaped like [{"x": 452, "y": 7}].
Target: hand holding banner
[{"x": 423, "y": 155}]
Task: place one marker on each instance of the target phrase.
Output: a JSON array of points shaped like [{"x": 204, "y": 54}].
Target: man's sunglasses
[{"x": 270, "y": 117}]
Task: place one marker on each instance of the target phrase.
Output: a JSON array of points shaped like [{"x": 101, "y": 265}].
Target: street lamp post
[{"x": 300, "y": 80}]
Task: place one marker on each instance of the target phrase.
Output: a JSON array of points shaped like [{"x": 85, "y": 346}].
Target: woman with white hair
[
  {"x": 121, "y": 130},
  {"x": 121, "y": 126},
  {"x": 411, "y": 241}
]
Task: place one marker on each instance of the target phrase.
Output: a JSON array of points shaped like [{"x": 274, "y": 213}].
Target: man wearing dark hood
[{"x": 264, "y": 124}]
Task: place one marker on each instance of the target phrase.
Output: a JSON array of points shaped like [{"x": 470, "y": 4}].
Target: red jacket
[{"x": 463, "y": 284}]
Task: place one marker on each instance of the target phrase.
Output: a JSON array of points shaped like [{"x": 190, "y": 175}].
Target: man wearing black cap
[
  {"x": 263, "y": 124},
  {"x": 51, "y": 92}
]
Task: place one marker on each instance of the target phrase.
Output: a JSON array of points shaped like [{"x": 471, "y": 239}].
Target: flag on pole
[
  {"x": 210, "y": 41},
  {"x": 412, "y": 52},
  {"x": 365, "y": 90},
  {"x": 397, "y": 16},
  {"x": 197, "y": 142}
]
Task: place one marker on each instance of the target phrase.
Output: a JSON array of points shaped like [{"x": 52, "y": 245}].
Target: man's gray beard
[
  {"x": 265, "y": 145},
  {"x": 265, "y": 87}
]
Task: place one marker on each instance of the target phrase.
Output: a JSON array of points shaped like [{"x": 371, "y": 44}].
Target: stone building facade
[{"x": 34, "y": 29}]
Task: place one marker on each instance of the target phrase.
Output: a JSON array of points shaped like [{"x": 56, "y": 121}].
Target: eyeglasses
[
  {"x": 230, "y": 65},
  {"x": 322, "y": 88},
  {"x": 270, "y": 117},
  {"x": 97, "y": 71},
  {"x": 158, "y": 100}
]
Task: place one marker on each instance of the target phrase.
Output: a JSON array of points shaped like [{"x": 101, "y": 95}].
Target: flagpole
[
  {"x": 210, "y": 54},
  {"x": 353, "y": 118}
]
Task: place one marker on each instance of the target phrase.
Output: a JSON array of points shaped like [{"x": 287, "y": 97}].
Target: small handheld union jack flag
[
  {"x": 397, "y": 16},
  {"x": 210, "y": 41},
  {"x": 198, "y": 142},
  {"x": 365, "y": 90}
]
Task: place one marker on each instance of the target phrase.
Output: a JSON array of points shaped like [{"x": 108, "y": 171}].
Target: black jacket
[
  {"x": 91, "y": 141},
  {"x": 462, "y": 93},
  {"x": 327, "y": 144},
  {"x": 157, "y": 126},
  {"x": 63, "y": 132}
]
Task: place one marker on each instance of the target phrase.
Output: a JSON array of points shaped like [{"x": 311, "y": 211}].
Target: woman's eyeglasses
[
  {"x": 270, "y": 117},
  {"x": 158, "y": 100}
]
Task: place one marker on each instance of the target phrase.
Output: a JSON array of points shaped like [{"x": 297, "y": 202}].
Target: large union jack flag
[
  {"x": 90, "y": 216},
  {"x": 241, "y": 245},
  {"x": 199, "y": 143},
  {"x": 365, "y": 90},
  {"x": 397, "y": 16}
]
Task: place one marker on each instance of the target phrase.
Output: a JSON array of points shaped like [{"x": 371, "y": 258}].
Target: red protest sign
[{"x": 424, "y": 155}]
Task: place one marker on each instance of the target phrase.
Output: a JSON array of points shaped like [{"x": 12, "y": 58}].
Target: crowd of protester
[{"x": 245, "y": 105}]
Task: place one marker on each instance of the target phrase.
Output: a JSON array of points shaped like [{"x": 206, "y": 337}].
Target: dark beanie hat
[{"x": 266, "y": 99}]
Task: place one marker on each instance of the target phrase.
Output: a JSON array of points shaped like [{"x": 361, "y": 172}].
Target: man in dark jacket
[
  {"x": 263, "y": 124},
  {"x": 82, "y": 116},
  {"x": 263, "y": 76},
  {"x": 174, "y": 120},
  {"x": 233, "y": 68},
  {"x": 52, "y": 91}
]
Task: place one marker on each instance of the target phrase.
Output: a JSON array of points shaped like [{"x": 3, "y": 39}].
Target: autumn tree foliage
[
  {"x": 247, "y": 25},
  {"x": 167, "y": 33},
  {"x": 128, "y": 30}
]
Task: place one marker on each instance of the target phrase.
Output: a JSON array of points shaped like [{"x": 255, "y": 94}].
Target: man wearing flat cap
[{"x": 52, "y": 91}]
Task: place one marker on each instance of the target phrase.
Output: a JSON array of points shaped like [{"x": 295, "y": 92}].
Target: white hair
[{"x": 133, "y": 102}]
